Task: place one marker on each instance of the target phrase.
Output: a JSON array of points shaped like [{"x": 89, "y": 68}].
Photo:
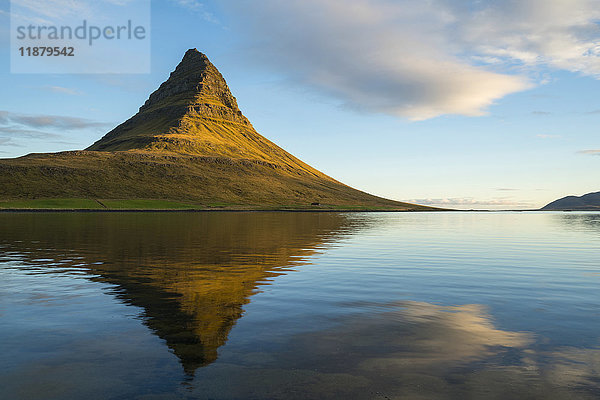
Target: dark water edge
[
  {"x": 217, "y": 210},
  {"x": 300, "y": 305}
]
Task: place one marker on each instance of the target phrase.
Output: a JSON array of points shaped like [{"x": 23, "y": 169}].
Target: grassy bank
[
  {"x": 165, "y": 205},
  {"x": 185, "y": 181}
]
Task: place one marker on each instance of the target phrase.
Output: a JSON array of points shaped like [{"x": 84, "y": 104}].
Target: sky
[{"x": 464, "y": 104}]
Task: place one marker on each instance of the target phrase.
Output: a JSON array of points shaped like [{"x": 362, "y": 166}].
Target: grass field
[
  {"x": 148, "y": 204},
  {"x": 142, "y": 180},
  {"x": 51, "y": 203}
]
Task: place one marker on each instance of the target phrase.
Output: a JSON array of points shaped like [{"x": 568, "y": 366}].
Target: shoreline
[
  {"x": 196, "y": 210},
  {"x": 200, "y": 210}
]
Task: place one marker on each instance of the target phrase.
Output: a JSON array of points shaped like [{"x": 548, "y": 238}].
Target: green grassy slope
[
  {"x": 184, "y": 180},
  {"x": 86, "y": 204}
]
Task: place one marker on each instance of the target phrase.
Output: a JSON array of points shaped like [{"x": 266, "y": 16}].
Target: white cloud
[
  {"x": 557, "y": 33},
  {"x": 547, "y": 136},
  {"x": 421, "y": 59},
  {"x": 590, "y": 152}
]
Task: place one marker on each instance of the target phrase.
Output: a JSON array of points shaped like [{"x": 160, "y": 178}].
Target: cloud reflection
[{"x": 412, "y": 350}]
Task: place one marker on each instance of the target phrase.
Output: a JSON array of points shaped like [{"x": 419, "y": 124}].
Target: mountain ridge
[{"x": 586, "y": 202}]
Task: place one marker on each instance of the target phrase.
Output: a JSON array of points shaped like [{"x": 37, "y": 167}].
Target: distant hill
[
  {"x": 188, "y": 143},
  {"x": 587, "y": 202}
]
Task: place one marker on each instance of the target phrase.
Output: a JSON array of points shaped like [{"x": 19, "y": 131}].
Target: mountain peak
[
  {"x": 194, "y": 80},
  {"x": 177, "y": 117},
  {"x": 193, "y": 54},
  {"x": 192, "y": 66},
  {"x": 195, "y": 58}
]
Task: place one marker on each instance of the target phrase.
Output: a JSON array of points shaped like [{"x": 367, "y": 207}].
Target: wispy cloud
[
  {"x": 12, "y": 136},
  {"x": 61, "y": 90},
  {"x": 46, "y": 11},
  {"x": 422, "y": 59},
  {"x": 52, "y": 12},
  {"x": 590, "y": 152},
  {"x": 15, "y": 127},
  {"x": 541, "y": 113},
  {"x": 8, "y": 132},
  {"x": 37, "y": 121},
  {"x": 197, "y": 7},
  {"x": 5, "y": 141},
  {"x": 472, "y": 203},
  {"x": 547, "y": 136}
]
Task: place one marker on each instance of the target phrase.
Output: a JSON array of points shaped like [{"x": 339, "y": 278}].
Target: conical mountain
[
  {"x": 188, "y": 143},
  {"x": 194, "y": 112}
]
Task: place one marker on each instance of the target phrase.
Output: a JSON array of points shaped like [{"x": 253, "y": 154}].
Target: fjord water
[{"x": 299, "y": 305}]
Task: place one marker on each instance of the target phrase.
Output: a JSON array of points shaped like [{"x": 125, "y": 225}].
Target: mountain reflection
[
  {"x": 580, "y": 221},
  {"x": 190, "y": 273}
]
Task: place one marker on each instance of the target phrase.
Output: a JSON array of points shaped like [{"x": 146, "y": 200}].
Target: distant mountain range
[
  {"x": 587, "y": 202},
  {"x": 188, "y": 143}
]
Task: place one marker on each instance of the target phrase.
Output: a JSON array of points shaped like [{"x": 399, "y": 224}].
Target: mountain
[
  {"x": 189, "y": 143},
  {"x": 193, "y": 112},
  {"x": 587, "y": 202}
]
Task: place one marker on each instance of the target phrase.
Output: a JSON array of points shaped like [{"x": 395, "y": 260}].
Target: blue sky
[{"x": 462, "y": 104}]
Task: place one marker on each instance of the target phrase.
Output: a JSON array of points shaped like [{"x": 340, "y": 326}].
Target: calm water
[{"x": 300, "y": 305}]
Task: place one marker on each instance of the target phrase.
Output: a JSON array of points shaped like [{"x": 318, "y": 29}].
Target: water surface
[{"x": 299, "y": 305}]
